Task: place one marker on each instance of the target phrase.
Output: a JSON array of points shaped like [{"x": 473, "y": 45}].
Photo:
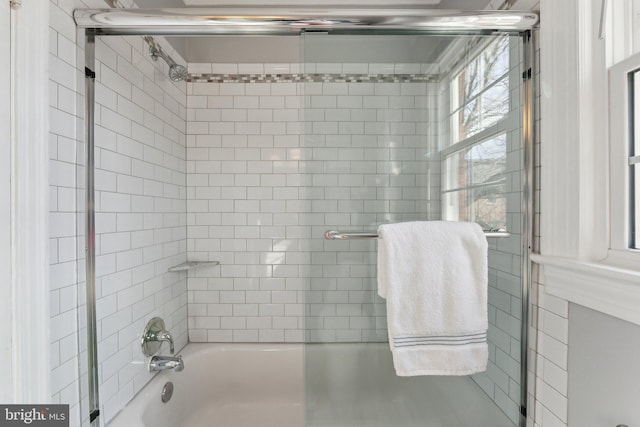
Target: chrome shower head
[{"x": 177, "y": 72}]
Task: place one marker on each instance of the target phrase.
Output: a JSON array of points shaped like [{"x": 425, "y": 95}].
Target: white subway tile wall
[
  {"x": 68, "y": 351},
  {"x": 549, "y": 321},
  {"x": 270, "y": 168},
  {"x": 140, "y": 211}
]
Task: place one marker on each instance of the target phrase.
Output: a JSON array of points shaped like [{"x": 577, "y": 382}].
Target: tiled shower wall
[
  {"x": 64, "y": 92},
  {"x": 274, "y": 159},
  {"x": 502, "y": 379},
  {"x": 140, "y": 179},
  {"x": 140, "y": 212}
]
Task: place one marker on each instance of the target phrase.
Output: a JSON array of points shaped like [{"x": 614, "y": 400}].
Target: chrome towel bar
[{"x": 339, "y": 235}]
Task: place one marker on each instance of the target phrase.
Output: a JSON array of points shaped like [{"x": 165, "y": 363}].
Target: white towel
[{"x": 434, "y": 277}]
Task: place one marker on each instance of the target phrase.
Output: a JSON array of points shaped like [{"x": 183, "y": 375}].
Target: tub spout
[{"x": 161, "y": 363}]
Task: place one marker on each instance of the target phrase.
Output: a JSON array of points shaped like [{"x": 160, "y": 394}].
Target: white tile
[
  {"x": 355, "y": 68},
  {"x": 274, "y": 68},
  {"x": 553, "y": 350},
  {"x": 199, "y": 68},
  {"x": 406, "y": 68},
  {"x": 219, "y": 68},
  {"x": 555, "y": 402},
  {"x": 555, "y": 326},
  {"x": 205, "y": 88},
  {"x": 251, "y": 68}
]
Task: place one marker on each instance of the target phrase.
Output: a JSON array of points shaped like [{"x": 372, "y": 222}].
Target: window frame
[
  {"x": 619, "y": 144},
  {"x": 579, "y": 263}
]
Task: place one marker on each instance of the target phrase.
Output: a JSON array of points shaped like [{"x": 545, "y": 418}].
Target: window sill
[{"x": 602, "y": 286}]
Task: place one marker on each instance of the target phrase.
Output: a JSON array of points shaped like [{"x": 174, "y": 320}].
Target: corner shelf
[{"x": 189, "y": 265}]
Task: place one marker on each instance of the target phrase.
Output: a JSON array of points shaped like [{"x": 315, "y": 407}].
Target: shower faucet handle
[
  {"x": 166, "y": 336},
  {"x": 154, "y": 335}
]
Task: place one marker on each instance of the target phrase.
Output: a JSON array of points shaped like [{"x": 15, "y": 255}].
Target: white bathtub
[
  {"x": 347, "y": 385},
  {"x": 225, "y": 385}
]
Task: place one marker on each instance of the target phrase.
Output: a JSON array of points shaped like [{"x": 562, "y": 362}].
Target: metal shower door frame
[{"x": 301, "y": 22}]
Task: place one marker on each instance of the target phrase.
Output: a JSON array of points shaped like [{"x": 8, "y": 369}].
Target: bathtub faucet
[{"x": 161, "y": 363}]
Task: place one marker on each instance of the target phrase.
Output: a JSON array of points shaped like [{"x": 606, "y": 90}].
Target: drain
[{"x": 167, "y": 392}]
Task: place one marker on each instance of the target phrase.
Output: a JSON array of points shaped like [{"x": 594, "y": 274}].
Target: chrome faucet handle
[
  {"x": 153, "y": 336},
  {"x": 166, "y": 336}
]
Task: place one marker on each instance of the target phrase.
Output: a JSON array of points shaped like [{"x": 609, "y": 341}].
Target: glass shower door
[{"x": 406, "y": 128}]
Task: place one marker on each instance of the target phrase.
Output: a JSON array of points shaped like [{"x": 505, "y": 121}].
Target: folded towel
[{"x": 434, "y": 277}]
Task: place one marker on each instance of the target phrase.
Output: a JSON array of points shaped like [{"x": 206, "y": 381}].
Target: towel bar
[{"x": 338, "y": 235}]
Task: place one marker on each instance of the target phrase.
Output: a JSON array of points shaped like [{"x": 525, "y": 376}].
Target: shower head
[{"x": 177, "y": 72}]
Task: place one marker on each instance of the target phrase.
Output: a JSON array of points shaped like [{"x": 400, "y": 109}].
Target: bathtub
[
  {"x": 225, "y": 385},
  {"x": 343, "y": 385}
]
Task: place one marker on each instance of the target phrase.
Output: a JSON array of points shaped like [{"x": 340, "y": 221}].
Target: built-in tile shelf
[{"x": 189, "y": 265}]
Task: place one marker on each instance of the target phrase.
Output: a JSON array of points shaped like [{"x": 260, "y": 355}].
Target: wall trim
[
  {"x": 30, "y": 202},
  {"x": 609, "y": 289},
  {"x": 574, "y": 177}
]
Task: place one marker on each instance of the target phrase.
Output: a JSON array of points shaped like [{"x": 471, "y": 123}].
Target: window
[
  {"x": 585, "y": 183},
  {"x": 480, "y": 91},
  {"x": 625, "y": 153},
  {"x": 624, "y": 125},
  {"x": 474, "y": 154},
  {"x": 474, "y": 188}
]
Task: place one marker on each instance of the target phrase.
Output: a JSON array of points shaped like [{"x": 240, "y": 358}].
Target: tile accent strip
[{"x": 311, "y": 77}]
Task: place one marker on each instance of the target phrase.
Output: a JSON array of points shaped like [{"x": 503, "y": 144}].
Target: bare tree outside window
[
  {"x": 475, "y": 187},
  {"x": 481, "y": 93}
]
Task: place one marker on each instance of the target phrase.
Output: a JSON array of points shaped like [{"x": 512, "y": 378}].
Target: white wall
[
  {"x": 548, "y": 321},
  {"x": 6, "y": 300},
  {"x": 603, "y": 369}
]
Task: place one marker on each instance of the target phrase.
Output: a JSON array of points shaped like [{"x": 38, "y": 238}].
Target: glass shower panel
[
  {"x": 370, "y": 158},
  {"x": 140, "y": 212},
  {"x": 406, "y": 128}
]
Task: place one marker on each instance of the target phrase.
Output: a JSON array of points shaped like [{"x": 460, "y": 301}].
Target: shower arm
[
  {"x": 156, "y": 52},
  {"x": 176, "y": 72}
]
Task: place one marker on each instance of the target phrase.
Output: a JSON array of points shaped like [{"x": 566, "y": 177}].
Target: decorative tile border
[{"x": 311, "y": 78}]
